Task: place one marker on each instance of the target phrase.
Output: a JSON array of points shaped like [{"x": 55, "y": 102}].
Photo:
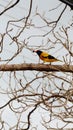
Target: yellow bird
[{"x": 45, "y": 56}]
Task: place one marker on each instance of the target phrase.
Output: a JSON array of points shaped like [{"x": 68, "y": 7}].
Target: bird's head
[{"x": 38, "y": 52}]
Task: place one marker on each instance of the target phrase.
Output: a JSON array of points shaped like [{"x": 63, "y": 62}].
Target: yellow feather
[
  {"x": 44, "y": 54},
  {"x": 45, "y": 57}
]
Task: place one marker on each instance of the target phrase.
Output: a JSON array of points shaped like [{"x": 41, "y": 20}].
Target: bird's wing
[
  {"x": 46, "y": 55},
  {"x": 51, "y": 57}
]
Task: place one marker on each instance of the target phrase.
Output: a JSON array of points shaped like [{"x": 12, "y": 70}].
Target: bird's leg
[
  {"x": 39, "y": 60},
  {"x": 50, "y": 63}
]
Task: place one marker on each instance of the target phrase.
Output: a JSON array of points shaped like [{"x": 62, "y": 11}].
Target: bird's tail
[{"x": 59, "y": 60}]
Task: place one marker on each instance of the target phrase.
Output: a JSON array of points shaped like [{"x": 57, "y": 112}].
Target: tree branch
[
  {"x": 10, "y": 7},
  {"x": 29, "y": 115},
  {"x": 37, "y": 67},
  {"x": 68, "y": 2}
]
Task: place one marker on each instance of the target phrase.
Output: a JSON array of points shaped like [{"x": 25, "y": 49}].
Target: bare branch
[
  {"x": 30, "y": 8},
  {"x": 37, "y": 67},
  {"x": 10, "y": 7},
  {"x": 29, "y": 115},
  {"x": 68, "y": 2}
]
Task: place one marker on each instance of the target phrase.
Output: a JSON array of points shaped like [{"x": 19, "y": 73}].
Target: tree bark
[{"x": 37, "y": 67}]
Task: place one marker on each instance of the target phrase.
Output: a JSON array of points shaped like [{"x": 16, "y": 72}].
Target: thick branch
[
  {"x": 37, "y": 67},
  {"x": 68, "y": 2}
]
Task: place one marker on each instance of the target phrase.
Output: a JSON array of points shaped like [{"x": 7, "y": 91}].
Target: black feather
[
  {"x": 49, "y": 57},
  {"x": 39, "y": 52}
]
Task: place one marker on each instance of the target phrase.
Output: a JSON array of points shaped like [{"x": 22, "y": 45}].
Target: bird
[{"x": 45, "y": 56}]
